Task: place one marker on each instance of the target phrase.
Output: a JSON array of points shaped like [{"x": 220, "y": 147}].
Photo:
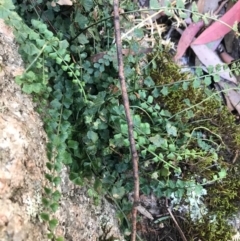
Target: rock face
[
  {"x": 22, "y": 153},
  {"x": 81, "y": 219},
  {"x": 22, "y": 168}
]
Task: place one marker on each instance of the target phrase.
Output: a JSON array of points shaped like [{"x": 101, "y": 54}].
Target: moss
[
  {"x": 208, "y": 112},
  {"x": 222, "y": 202},
  {"x": 225, "y": 194},
  {"x": 206, "y": 230},
  {"x": 213, "y": 119}
]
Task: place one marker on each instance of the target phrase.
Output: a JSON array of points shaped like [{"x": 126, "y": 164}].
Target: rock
[
  {"x": 23, "y": 165},
  {"x": 22, "y": 154}
]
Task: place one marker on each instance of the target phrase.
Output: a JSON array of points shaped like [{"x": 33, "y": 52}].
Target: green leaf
[
  {"x": 171, "y": 130},
  {"x": 54, "y": 207},
  {"x": 7, "y": 4},
  {"x": 158, "y": 141},
  {"x": 56, "y": 104},
  {"x": 67, "y": 158},
  {"x": 63, "y": 44},
  {"x": 142, "y": 140},
  {"x": 182, "y": 14},
  {"x": 67, "y": 101},
  {"x": 56, "y": 196},
  {"x": 58, "y": 166},
  {"x": 4, "y": 13},
  {"x": 194, "y": 7},
  {"x": 47, "y": 190},
  {"x": 27, "y": 88},
  {"x": 165, "y": 113},
  {"x": 171, "y": 156},
  {"x": 93, "y": 136},
  {"x": 180, "y": 4},
  {"x": 155, "y": 175},
  {"x": 48, "y": 49},
  {"x": 151, "y": 148},
  {"x": 57, "y": 94},
  {"x": 165, "y": 172},
  {"x": 78, "y": 181},
  {"x": 49, "y": 166},
  {"x": 82, "y": 39},
  {"x": 124, "y": 128},
  {"x": 30, "y": 49},
  {"x": 81, "y": 20},
  {"x": 49, "y": 177},
  {"x": 45, "y": 202},
  {"x": 66, "y": 114},
  {"x": 172, "y": 147},
  {"x": 56, "y": 180},
  {"x": 145, "y": 128},
  {"x": 118, "y": 192},
  {"x": 40, "y": 42},
  {"x": 50, "y": 236},
  {"x": 92, "y": 193},
  {"x": 164, "y": 90},
  {"x": 44, "y": 216},
  {"x": 154, "y": 4},
  {"x": 53, "y": 223},
  {"x": 196, "y": 83},
  {"x": 155, "y": 93},
  {"x": 144, "y": 153},
  {"x": 67, "y": 58},
  {"x": 205, "y": 19},
  {"x": 48, "y": 35},
  {"x": 187, "y": 102},
  {"x": 207, "y": 80},
  {"x": 150, "y": 99},
  {"x": 37, "y": 88},
  {"x": 149, "y": 82},
  {"x": 216, "y": 78},
  {"x": 53, "y": 55},
  {"x": 222, "y": 173},
  {"x": 73, "y": 144},
  {"x": 87, "y": 4},
  {"x": 59, "y": 60},
  {"x": 196, "y": 18},
  {"x": 126, "y": 142},
  {"x": 190, "y": 114},
  {"x": 185, "y": 85}
]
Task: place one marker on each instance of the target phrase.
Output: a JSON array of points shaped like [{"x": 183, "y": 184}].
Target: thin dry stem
[{"x": 128, "y": 117}]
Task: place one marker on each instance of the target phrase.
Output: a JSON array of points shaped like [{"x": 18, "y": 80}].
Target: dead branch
[
  {"x": 128, "y": 117},
  {"x": 175, "y": 221}
]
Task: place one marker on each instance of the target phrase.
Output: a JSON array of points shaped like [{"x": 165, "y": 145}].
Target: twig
[
  {"x": 235, "y": 156},
  {"x": 176, "y": 223},
  {"x": 134, "y": 153}
]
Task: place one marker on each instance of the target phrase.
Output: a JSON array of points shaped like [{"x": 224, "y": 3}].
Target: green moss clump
[
  {"x": 202, "y": 109},
  {"x": 206, "y": 111},
  {"x": 225, "y": 194},
  {"x": 222, "y": 202},
  {"x": 206, "y": 230}
]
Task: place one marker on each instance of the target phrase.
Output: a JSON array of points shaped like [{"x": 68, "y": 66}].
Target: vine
[{"x": 181, "y": 153}]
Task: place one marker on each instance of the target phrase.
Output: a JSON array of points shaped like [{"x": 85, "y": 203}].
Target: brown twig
[
  {"x": 176, "y": 223},
  {"x": 235, "y": 156},
  {"x": 128, "y": 117}
]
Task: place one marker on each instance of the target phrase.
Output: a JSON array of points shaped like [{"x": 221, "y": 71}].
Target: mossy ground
[{"x": 213, "y": 119}]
